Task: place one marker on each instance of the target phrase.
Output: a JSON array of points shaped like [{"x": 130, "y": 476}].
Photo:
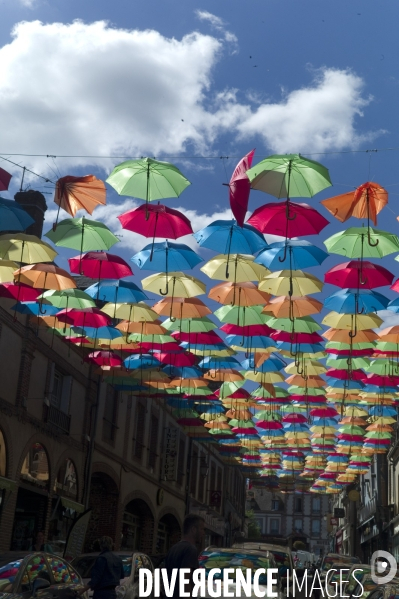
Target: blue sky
[{"x": 198, "y": 80}]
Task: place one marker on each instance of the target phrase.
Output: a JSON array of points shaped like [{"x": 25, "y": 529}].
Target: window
[
  {"x": 34, "y": 566},
  {"x": 315, "y": 528},
  {"x": 298, "y": 504},
  {"x": 152, "y": 454},
  {"x": 298, "y": 525},
  {"x": 316, "y": 504},
  {"x": 276, "y": 505},
  {"x": 60, "y": 387},
  {"x": 110, "y": 414},
  {"x": 194, "y": 472},
  {"x": 56, "y": 392},
  {"x": 261, "y": 524},
  {"x": 59, "y": 570},
  {"x": 180, "y": 462},
  {"x": 138, "y": 441},
  {"x": 274, "y": 526}
]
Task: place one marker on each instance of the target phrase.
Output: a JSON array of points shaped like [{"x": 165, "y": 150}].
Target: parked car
[
  {"x": 333, "y": 558},
  {"x": 239, "y": 559},
  {"x": 282, "y": 555},
  {"x": 369, "y": 588},
  {"x": 385, "y": 591},
  {"x": 355, "y": 577},
  {"x": 37, "y": 574}
]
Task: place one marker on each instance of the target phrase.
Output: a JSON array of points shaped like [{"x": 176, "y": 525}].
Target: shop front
[
  {"x": 395, "y": 539},
  {"x": 32, "y": 500},
  {"x": 65, "y": 507},
  {"x": 137, "y": 527}
]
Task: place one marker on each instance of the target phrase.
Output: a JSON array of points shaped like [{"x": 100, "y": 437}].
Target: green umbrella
[
  {"x": 242, "y": 316},
  {"x": 261, "y": 392},
  {"x": 313, "y": 391},
  {"x": 67, "y": 298},
  {"x": 353, "y": 243},
  {"x": 229, "y": 387},
  {"x": 384, "y": 367},
  {"x": 354, "y": 363},
  {"x": 340, "y": 345},
  {"x": 148, "y": 179},
  {"x": 303, "y": 324},
  {"x": 82, "y": 234},
  {"x": 190, "y": 325},
  {"x": 289, "y": 175}
]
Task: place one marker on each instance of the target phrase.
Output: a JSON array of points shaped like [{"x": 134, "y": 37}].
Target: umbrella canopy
[
  {"x": 237, "y": 268},
  {"x": 161, "y": 222},
  {"x": 166, "y": 256},
  {"x": 349, "y": 321},
  {"x": 44, "y": 276},
  {"x": 289, "y": 175},
  {"x": 34, "y": 309},
  {"x": 175, "y": 284},
  {"x": 240, "y": 187},
  {"x": 148, "y": 179},
  {"x": 241, "y": 315},
  {"x": 7, "y": 269},
  {"x": 181, "y": 307},
  {"x": 79, "y": 193},
  {"x": 67, "y": 298},
  {"x": 86, "y": 317},
  {"x": 190, "y": 325},
  {"x": 239, "y": 294},
  {"x": 365, "y": 202},
  {"x": 100, "y": 265},
  {"x": 227, "y": 237},
  {"x": 28, "y": 249},
  {"x": 12, "y": 216},
  {"x": 131, "y": 312},
  {"x": 287, "y": 219},
  {"x": 21, "y": 292},
  {"x": 362, "y": 274},
  {"x": 82, "y": 234},
  {"x": 353, "y": 301},
  {"x": 117, "y": 291},
  {"x": 5, "y": 179},
  {"x": 300, "y": 254},
  {"x": 359, "y": 242},
  {"x": 290, "y": 282}
]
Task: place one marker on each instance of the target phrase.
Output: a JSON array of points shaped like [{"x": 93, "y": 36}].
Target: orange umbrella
[
  {"x": 223, "y": 375},
  {"x": 353, "y": 420},
  {"x": 181, "y": 307},
  {"x": 282, "y": 307},
  {"x": 365, "y": 202},
  {"x": 382, "y": 428},
  {"x": 191, "y": 383},
  {"x": 240, "y": 414},
  {"x": 341, "y": 335},
  {"x": 259, "y": 358},
  {"x": 314, "y": 382},
  {"x": 79, "y": 193},
  {"x": 44, "y": 276},
  {"x": 144, "y": 328},
  {"x": 238, "y": 294}
]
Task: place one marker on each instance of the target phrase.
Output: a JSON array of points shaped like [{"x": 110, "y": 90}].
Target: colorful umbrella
[
  {"x": 240, "y": 187},
  {"x": 100, "y": 265},
  {"x": 44, "y": 276},
  {"x": 116, "y": 291},
  {"x": 166, "y": 256},
  {"x": 237, "y": 268},
  {"x": 82, "y": 234},
  {"x": 239, "y": 294},
  {"x": 358, "y": 242},
  {"x": 79, "y": 193},
  {"x": 288, "y": 220},
  {"x": 291, "y": 282},
  {"x": 227, "y": 237},
  {"x": 12, "y": 216},
  {"x": 365, "y": 202},
  {"x": 301, "y": 254},
  {"x": 362, "y": 274},
  {"x": 27, "y": 249},
  {"x": 176, "y": 284}
]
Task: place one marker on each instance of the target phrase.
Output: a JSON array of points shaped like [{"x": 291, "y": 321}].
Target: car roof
[
  {"x": 97, "y": 553},
  {"x": 263, "y": 547},
  {"x": 233, "y": 550}
]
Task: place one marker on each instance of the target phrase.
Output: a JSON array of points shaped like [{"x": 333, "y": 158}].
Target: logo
[{"x": 382, "y": 561}]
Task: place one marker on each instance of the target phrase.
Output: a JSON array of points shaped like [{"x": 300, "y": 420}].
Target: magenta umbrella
[
  {"x": 5, "y": 179},
  {"x": 287, "y": 219},
  {"x": 250, "y": 330},
  {"x": 86, "y": 317},
  {"x": 105, "y": 358},
  {"x": 358, "y": 274},
  {"x": 100, "y": 265},
  {"x": 240, "y": 187},
  {"x": 209, "y": 338},
  {"x": 178, "y": 359},
  {"x": 292, "y": 418},
  {"x": 355, "y": 375},
  {"x": 21, "y": 292},
  {"x": 297, "y": 337}
]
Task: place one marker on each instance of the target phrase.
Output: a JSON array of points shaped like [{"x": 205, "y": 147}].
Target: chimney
[{"x": 34, "y": 204}]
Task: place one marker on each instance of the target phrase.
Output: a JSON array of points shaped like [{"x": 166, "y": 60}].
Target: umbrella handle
[
  {"x": 167, "y": 289},
  {"x": 287, "y": 211},
  {"x": 283, "y": 258},
  {"x": 377, "y": 241}
]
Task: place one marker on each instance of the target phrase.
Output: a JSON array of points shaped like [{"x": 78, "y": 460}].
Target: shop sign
[
  {"x": 76, "y": 537},
  {"x": 66, "y": 483},
  {"x": 171, "y": 451},
  {"x": 333, "y": 521},
  {"x": 35, "y": 466}
]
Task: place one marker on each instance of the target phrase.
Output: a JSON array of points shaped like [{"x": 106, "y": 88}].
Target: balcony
[{"x": 53, "y": 416}]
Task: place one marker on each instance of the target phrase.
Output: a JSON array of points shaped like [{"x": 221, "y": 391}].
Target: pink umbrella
[
  {"x": 162, "y": 347},
  {"x": 309, "y": 398},
  {"x": 100, "y": 265},
  {"x": 240, "y": 188},
  {"x": 381, "y": 381},
  {"x": 269, "y": 424},
  {"x": 85, "y": 317},
  {"x": 323, "y": 412},
  {"x": 178, "y": 359},
  {"x": 239, "y": 394},
  {"x": 247, "y": 331},
  {"x": 22, "y": 292},
  {"x": 355, "y": 274},
  {"x": 210, "y": 338},
  {"x": 294, "y": 418},
  {"x": 297, "y": 337},
  {"x": 288, "y": 219},
  {"x": 355, "y": 375},
  {"x": 105, "y": 358},
  {"x": 5, "y": 179}
]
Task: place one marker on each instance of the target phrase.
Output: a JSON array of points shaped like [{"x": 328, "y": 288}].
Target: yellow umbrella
[
  {"x": 264, "y": 377},
  {"x": 238, "y": 268},
  {"x": 132, "y": 312},
  {"x": 296, "y": 282},
  {"x": 223, "y": 375},
  {"x": 174, "y": 284},
  {"x": 361, "y": 322},
  {"x": 220, "y": 353},
  {"x": 192, "y": 383},
  {"x": 322, "y": 429},
  {"x": 313, "y": 368},
  {"x": 209, "y": 417},
  {"x": 28, "y": 249},
  {"x": 7, "y": 268}
]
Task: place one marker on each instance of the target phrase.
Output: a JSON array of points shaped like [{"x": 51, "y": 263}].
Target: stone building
[{"x": 69, "y": 441}]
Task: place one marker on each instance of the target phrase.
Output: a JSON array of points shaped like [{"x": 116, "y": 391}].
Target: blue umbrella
[
  {"x": 344, "y": 301},
  {"x": 270, "y": 365},
  {"x": 255, "y": 341},
  {"x": 382, "y": 411},
  {"x": 35, "y": 309},
  {"x": 203, "y": 346},
  {"x": 305, "y": 348},
  {"x": 378, "y": 389},
  {"x": 166, "y": 257},
  {"x": 319, "y": 421},
  {"x": 116, "y": 292},
  {"x": 100, "y": 332},
  {"x": 184, "y": 372},
  {"x": 393, "y": 305},
  {"x": 215, "y": 363},
  {"x": 300, "y": 254},
  {"x": 226, "y": 237},
  {"x": 136, "y": 361},
  {"x": 295, "y": 428},
  {"x": 340, "y": 384},
  {"x": 13, "y": 217},
  {"x": 210, "y": 408}
]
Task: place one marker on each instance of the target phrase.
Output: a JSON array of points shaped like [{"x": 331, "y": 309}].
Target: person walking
[
  {"x": 185, "y": 553},
  {"x": 106, "y": 573}
]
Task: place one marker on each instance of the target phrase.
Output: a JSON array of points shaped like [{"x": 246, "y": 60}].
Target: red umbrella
[
  {"x": 309, "y": 398},
  {"x": 297, "y": 337},
  {"x": 287, "y": 219},
  {"x": 352, "y": 352},
  {"x": 240, "y": 188},
  {"x": 100, "y": 265},
  {"x": 294, "y": 418},
  {"x": 239, "y": 394},
  {"x": 247, "y": 331},
  {"x": 5, "y": 179},
  {"x": 22, "y": 292},
  {"x": 162, "y": 347},
  {"x": 105, "y": 358},
  {"x": 269, "y": 424},
  {"x": 355, "y": 375},
  {"x": 178, "y": 359},
  {"x": 323, "y": 412},
  {"x": 355, "y": 274},
  {"x": 85, "y": 317},
  {"x": 210, "y": 338},
  {"x": 382, "y": 381}
]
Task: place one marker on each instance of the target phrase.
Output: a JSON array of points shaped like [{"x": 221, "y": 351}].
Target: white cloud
[
  {"x": 316, "y": 118},
  {"x": 28, "y": 3},
  {"x": 215, "y": 21},
  {"x": 107, "y": 91}
]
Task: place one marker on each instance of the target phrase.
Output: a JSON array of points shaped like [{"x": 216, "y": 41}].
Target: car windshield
[
  {"x": 8, "y": 572},
  {"x": 83, "y": 565},
  {"x": 238, "y": 561},
  {"x": 355, "y": 577},
  {"x": 330, "y": 560}
]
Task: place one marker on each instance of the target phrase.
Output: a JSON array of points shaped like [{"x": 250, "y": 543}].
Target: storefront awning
[
  {"x": 7, "y": 484},
  {"x": 72, "y": 505}
]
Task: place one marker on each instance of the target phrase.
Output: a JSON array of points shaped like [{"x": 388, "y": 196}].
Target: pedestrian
[
  {"x": 39, "y": 544},
  {"x": 185, "y": 553},
  {"x": 106, "y": 573}
]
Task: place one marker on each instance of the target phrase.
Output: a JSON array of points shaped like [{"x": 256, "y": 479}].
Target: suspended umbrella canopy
[
  {"x": 353, "y": 301},
  {"x": 288, "y": 220},
  {"x": 289, "y": 176},
  {"x": 303, "y": 324},
  {"x": 223, "y": 375},
  {"x": 242, "y": 315},
  {"x": 7, "y": 269},
  {"x": 79, "y": 193},
  {"x": 82, "y": 234},
  {"x": 229, "y": 238},
  {"x": 100, "y": 265},
  {"x": 240, "y": 187},
  {"x": 27, "y": 249},
  {"x": 247, "y": 331},
  {"x": 5, "y": 179},
  {"x": 34, "y": 309},
  {"x": 208, "y": 338},
  {"x": 181, "y": 307},
  {"x": 300, "y": 254},
  {"x": 237, "y": 268},
  {"x": 132, "y": 312},
  {"x": 67, "y": 298},
  {"x": 342, "y": 336},
  {"x": 21, "y": 292},
  {"x": 44, "y": 276},
  {"x": 238, "y": 294},
  {"x": 291, "y": 282},
  {"x": 296, "y": 307},
  {"x": 161, "y": 222},
  {"x": 148, "y": 179},
  {"x": 166, "y": 256},
  {"x": 12, "y": 216},
  {"x": 296, "y": 338},
  {"x": 359, "y": 322},
  {"x": 144, "y": 327},
  {"x": 86, "y": 317},
  {"x": 313, "y": 368},
  {"x": 362, "y": 274},
  {"x": 191, "y": 325},
  {"x": 359, "y": 242},
  {"x": 365, "y": 202},
  {"x": 105, "y": 358},
  {"x": 175, "y": 284},
  {"x": 117, "y": 291}
]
